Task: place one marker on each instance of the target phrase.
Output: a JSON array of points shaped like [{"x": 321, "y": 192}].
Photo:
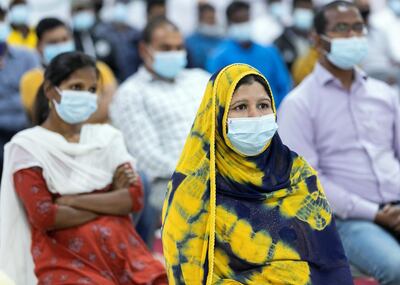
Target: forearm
[
  {"x": 116, "y": 202},
  {"x": 67, "y": 217}
]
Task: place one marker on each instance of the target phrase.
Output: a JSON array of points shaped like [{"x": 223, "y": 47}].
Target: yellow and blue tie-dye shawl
[{"x": 231, "y": 219}]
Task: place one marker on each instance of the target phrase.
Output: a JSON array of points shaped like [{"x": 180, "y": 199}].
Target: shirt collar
[{"x": 324, "y": 76}]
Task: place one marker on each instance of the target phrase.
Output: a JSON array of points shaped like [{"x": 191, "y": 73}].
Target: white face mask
[
  {"x": 75, "y": 106},
  {"x": 169, "y": 64},
  {"x": 345, "y": 53},
  {"x": 303, "y": 19},
  {"x": 240, "y": 32},
  {"x": 250, "y": 135},
  {"x": 18, "y": 14},
  {"x": 215, "y": 30},
  {"x": 277, "y": 10}
]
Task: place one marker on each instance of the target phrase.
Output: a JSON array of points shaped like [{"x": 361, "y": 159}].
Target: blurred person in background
[
  {"x": 379, "y": 62},
  {"x": 294, "y": 41},
  {"x": 123, "y": 38},
  {"x": 155, "y": 107},
  {"x": 21, "y": 34},
  {"x": 387, "y": 22},
  {"x": 86, "y": 25},
  {"x": 260, "y": 33},
  {"x": 240, "y": 48},
  {"x": 67, "y": 190},
  {"x": 208, "y": 36},
  {"x": 155, "y": 9},
  {"x": 54, "y": 38},
  {"x": 347, "y": 126},
  {"x": 14, "y": 63}
]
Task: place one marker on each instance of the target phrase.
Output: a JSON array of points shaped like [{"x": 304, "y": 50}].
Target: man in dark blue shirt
[
  {"x": 240, "y": 48},
  {"x": 206, "y": 38}
]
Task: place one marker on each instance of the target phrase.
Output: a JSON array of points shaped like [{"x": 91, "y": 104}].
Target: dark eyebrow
[
  {"x": 263, "y": 99},
  {"x": 240, "y": 102}
]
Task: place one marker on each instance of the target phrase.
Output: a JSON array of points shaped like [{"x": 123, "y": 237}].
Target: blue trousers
[{"x": 372, "y": 249}]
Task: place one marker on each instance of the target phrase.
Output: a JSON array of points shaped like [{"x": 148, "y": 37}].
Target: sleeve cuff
[{"x": 364, "y": 209}]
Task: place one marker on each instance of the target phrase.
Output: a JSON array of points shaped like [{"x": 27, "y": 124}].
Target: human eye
[
  {"x": 240, "y": 107},
  {"x": 264, "y": 106},
  {"x": 76, "y": 87}
]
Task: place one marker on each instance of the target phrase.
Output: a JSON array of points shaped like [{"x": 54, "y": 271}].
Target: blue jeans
[{"x": 371, "y": 249}]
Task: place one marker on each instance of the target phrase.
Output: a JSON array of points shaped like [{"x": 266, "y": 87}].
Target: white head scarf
[{"x": 68, "y": 168}]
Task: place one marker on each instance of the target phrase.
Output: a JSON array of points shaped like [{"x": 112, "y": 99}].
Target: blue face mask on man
[
  {"x": 250, "y": 135},
  {"x": 83, "y": 20},
  {"x": 75, "y": 106},
  {"x": 240, "y": 32},
  {"x": 168, "y": 64},
  {"x": 345, "y": 53},
  {"x": 50, "y": 51}
]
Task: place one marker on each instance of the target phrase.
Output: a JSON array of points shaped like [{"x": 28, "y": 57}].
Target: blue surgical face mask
[
  {"x": 4, "y": 32},
  {"x": 169, "y": 64},
  {"x": 214, "y": 31},
  {"x": 52, "y": 50},
  {"x": 240, "y": 32},
  {"x": 277, "y": 10},
  {"x": 18, "y": 14},
  {"x": 83, "y": 20},
  {"x": 120, "y": 13},
  {"x": 395, "y": 6},
  {"x": 303, "y": 18},
  {"x": 250, "y": 135},
  {"x": 75, "y": 106},
  {"x": 345, "y": 53}
]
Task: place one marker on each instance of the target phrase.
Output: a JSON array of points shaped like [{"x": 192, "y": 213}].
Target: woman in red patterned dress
[{"x": 67, "y": 191}]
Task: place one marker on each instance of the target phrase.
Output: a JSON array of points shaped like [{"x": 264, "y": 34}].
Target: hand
[
  {"x": 67, "y": 200},
  {"x": 124, "y": 177},
  {"x": 389, "y": 217}
]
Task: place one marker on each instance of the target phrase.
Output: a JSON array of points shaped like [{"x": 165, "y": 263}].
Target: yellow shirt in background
[
  {"x": 304, "y": 65},
  {"x": 31, "y": 81},
  {"x": 16, "y": 39}
]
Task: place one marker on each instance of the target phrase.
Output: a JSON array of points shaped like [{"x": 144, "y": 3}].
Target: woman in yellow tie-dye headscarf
[{"x": 242, "y": 208}]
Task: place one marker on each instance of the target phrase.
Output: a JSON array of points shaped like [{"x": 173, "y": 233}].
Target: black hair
[
  {"x": 250, "y": 79},
  {"x": 295, "y": 3},
  {"x": 205, "y": 7},
  {"x": 59, "y": 69},
  {"x": 3, "y": 13},
  {"x": 16, "y": 2},
  {"x": 320, "y": 21},
  {"x": 48, "y": 24},
  {"x": 154, "y": 24},
  {"x": 234, "y": 7},
  {"x": 151, "y": 3}
]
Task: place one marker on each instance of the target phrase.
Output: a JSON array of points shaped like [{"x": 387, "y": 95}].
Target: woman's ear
[{"x": 49, "y": 90}]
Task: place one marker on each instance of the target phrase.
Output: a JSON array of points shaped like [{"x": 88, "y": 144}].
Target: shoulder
[
  {"x": 20, "y": 51},
  {"x": 105, "y": 129},
  {"x": 197, "y": 73},
  {"x": 301, "y": 169},
  {"x": 224, "y": 47},
  {"x": 33, "y": 76},
  {"x": 131, "y": 85},
  {"x": 302, "y": 95}
]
